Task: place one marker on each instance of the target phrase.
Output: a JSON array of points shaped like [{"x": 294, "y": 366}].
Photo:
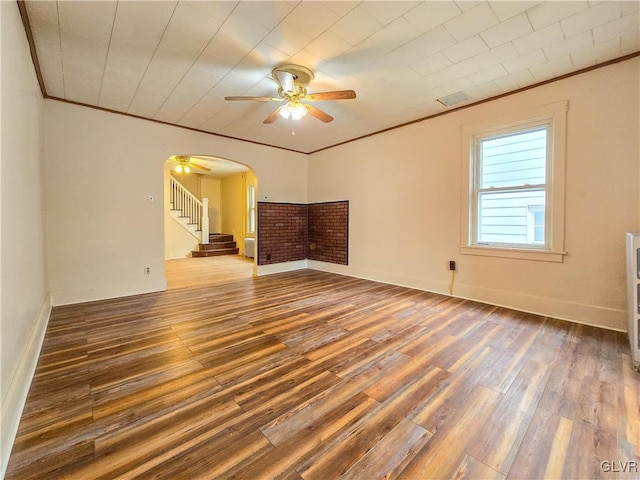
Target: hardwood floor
[
  {"x": 202, "y": 271},
  {"x": 310, "y": 375}
]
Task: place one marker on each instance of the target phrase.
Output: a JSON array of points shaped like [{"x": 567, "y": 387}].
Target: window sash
[
  {"x": 506, "y": 220},
  {"x": 477, "y": 215},
  {"x": 505, "y": 156}
]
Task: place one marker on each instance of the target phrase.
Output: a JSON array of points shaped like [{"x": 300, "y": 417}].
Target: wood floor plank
[
  {"x": 335, "y": 459},
  {"x": 313, "y": 375},
  {"x": 592, "y": 442},
  {"x": 299, "y": 417},
  {"x": 55, "y": 463},
  {"x": 473, "y": 469},
  {"x": 544, "y": 447},
  {"x": 628, "y": 457},
  {"x": 629, "y": 404},
  {"x": 119, "y": 452},
  {"x": 438, "y": 459},
  {"x": 304, "y": 442},
  {"x": 503, "y": 434},
  {"x": 159, "y": 397},
  {"x": 391, "y": 453},
  {"x": 452, "y": 394},
  {"x": 216, "y": 457},
  {"x": 281, "y": 381}
]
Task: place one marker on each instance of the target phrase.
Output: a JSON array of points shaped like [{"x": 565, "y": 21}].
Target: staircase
[
  {"x": 188, "y": 211},
  {"x": 192, "y": 214},
  {"x": 218, "y": 245}
]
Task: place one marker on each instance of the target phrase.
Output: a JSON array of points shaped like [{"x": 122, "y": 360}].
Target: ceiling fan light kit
[
  {"x": 184, "y": 164},
  {"x": 293, "y": 81},
  {"x": 293, "y": 110}
]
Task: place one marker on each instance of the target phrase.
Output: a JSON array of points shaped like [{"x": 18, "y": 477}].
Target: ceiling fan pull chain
[{"x": 293, "y": 132}]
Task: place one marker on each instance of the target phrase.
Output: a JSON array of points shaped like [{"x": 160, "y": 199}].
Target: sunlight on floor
[{"x": 189, "y": 272}]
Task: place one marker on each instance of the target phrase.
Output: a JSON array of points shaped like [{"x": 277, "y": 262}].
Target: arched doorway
[{"x": 207, "y": 193}]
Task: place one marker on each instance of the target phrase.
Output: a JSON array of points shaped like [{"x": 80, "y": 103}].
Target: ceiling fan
[
  {"x": 293, "y": 81},
  {"x": 183, "y": 163}
]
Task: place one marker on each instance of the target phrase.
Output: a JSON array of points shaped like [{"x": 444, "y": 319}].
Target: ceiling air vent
[{"x": 454, "y": 99}]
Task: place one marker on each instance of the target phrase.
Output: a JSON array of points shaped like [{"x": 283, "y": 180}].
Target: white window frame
[
  {"x": 251, "y": 209},
  {"x": 555, "y": 115}
]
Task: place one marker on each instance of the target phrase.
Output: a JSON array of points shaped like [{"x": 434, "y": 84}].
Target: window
[
  {"x": 514, "y": 176},
  {"x": 510, "y": 181},
  {"x": 251, "y": 209}
]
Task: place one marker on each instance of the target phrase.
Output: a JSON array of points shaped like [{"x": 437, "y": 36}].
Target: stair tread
[
  {"x": 216, "y": 252},
  {"x": 215, "y": 245}
]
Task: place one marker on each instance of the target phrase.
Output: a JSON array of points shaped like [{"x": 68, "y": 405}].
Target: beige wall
[
  {"x": 24, "y": 299},
  {"x": 190, "y": 181},
  {"x": 210, "y": 188},
  {"x": 232, "y": 208},
  {"x": 405, "y": 203},
  {"x": 104, "y": 231}
]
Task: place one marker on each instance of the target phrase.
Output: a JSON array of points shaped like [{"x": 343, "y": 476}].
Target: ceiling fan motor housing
[
  {"x": 300, "y": 92},
  {"x": 301, "y": 75}
]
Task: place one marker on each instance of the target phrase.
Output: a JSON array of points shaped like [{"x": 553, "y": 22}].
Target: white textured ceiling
[{"x": 176, "y": 61}]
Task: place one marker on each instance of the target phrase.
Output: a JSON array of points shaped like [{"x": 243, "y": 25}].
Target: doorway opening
[{"x": 210, "y": 222}]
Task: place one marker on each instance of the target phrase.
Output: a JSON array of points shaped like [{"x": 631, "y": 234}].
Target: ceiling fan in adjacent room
[
  {"x": 184, "y": 164},
  {"x": 293, "y": 81}
]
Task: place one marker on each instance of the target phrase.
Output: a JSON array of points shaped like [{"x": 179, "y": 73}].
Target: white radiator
[
  {"x": 633, "y": 296},
  {"x": 249, "y": 247}
]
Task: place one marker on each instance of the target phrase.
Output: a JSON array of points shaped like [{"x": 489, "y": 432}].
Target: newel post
[{"x": 205, "y": 220}]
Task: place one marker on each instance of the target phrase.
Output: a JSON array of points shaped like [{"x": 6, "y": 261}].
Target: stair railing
[{"x": 196, "y": 211}]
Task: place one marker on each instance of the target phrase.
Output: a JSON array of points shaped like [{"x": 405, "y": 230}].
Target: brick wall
[
  {"x": 282, "y": 232},
  {"x": 329, "y": 232},
  {"x": 289, "y": 232}
]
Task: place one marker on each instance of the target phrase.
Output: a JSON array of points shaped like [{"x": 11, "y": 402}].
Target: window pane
[
  {"x": 516, "y": 159},
  {"x": 538, "y": 226},
  {"x": 503, "y": 216}
]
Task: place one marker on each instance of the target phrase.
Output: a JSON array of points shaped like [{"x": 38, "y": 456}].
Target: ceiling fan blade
[
  {"x": 337, "y": 95},
  {"x": 256, "y": 99},
  {"x": 199, "y": 167},
  {"x": 274, "y": 115},
  {"x": 319, "y": 114},
  {"x": 286, "y": 81}
]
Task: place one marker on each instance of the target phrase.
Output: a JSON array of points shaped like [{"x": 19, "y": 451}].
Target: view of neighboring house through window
[{"x": 510, "y": 187}]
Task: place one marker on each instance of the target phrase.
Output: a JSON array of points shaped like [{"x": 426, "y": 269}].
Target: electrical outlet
[
  {"x": 268, "y": 256},
  {"x": 147, "y": 270},
  {"x": 452, "y": 265}
]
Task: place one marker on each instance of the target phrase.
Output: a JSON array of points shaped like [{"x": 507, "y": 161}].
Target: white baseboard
[
  {"x": 281, "y": 267},
  {"x": 69, "y": 297},
  {"x": 16, "y": 397},
  {"x": 380, "y": 276},
  {"x": 593, "y": 315}
]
